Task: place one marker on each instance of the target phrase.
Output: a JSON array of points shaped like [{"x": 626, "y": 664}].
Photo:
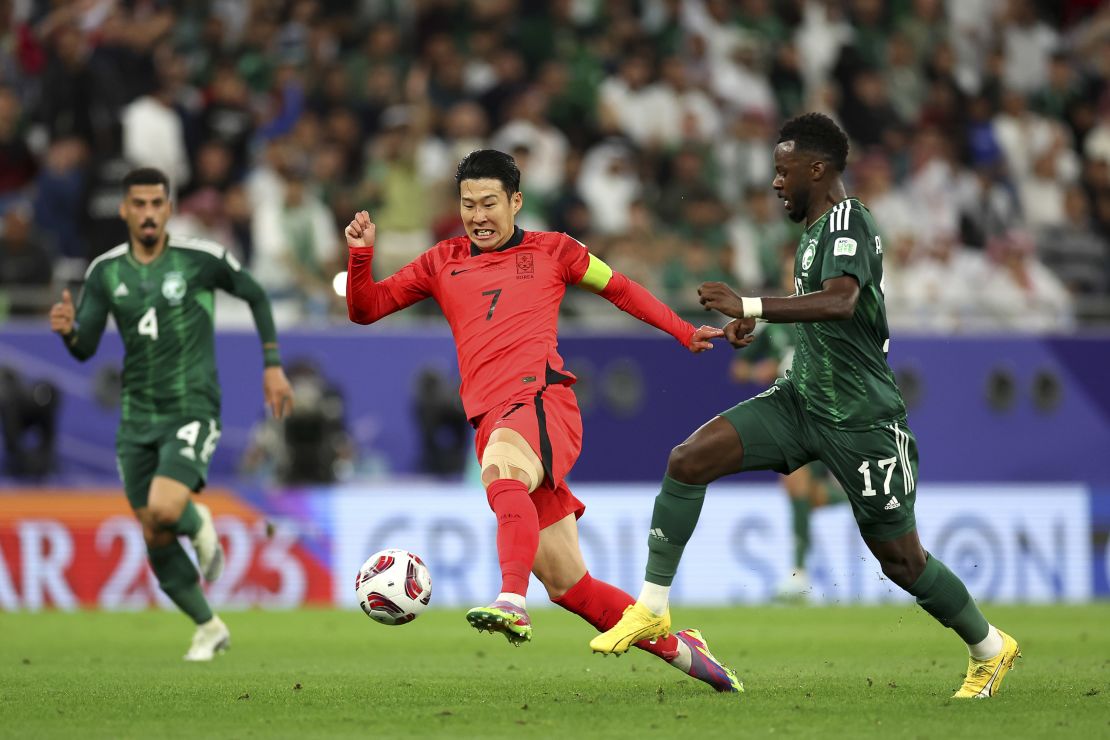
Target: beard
[
  {"x": 797, "y": 210},
  {"x": 149, "y": 240}
]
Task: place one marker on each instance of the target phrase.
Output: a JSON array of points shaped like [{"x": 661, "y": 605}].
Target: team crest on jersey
[
  {"x": 807, "y": 256},
  {"x": 525, "y": 264},
  {"x": 173, "y": 287}
]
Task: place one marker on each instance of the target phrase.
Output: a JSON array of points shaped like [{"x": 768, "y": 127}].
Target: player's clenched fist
[
  {"x": 738, "y": 332},
  {"x": 720, "y": 297},
  {"x": 360, "y": 232},
  {"x": 61, "y": 315}
]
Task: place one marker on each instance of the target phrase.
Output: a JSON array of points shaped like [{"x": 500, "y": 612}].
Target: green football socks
[
  {"x": 180, "y": 580},
  {"x": 834, "y": 494},
  {"x": 189, "y": 523},
  {"x": 799, "y": 518},
  {"x": 943, "y": 595},
  {"x": 677, "y": 508}
]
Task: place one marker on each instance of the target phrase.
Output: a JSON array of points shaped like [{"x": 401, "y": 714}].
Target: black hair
[
  {"x": 819, "y": 134},
  {"x": 146, "y": 176},
  {"x": 489, "y": 164}
]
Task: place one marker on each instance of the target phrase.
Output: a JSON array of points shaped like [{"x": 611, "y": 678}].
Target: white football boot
[
  {"x": 210, "y": 553},
  {"x": 211, "y": 638},
  {"x": 794, "y": 588}
]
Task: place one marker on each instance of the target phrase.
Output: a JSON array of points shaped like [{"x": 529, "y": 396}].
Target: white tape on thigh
[{"x": 504, "y": 455}]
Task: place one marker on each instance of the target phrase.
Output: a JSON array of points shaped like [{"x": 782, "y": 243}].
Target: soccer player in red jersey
[{"x": 500, "y": 289}]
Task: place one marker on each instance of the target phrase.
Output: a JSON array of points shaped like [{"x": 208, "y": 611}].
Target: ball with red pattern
[{"x": 393, "y": 586}]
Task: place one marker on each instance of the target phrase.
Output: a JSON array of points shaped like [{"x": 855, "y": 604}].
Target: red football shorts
[{"x": 551, "y": 423}]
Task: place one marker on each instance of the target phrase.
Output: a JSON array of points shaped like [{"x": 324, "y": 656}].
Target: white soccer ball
[{"x": 393, "y": 586}]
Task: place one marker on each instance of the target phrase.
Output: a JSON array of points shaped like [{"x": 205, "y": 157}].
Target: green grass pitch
[{"x": 809, "y": 672}]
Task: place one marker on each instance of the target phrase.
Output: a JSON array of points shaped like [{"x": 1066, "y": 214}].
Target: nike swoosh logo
[{"x": 456, "y": 272}]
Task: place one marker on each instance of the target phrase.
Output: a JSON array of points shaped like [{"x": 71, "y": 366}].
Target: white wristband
[{"x": 753, "y": 308}]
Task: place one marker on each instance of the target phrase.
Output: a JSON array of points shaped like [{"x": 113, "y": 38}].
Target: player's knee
[
  {"x": 686, "y": 465},
  {"x": 506, "y": 461},
  {"x": 155, "y": 536},
  {"x": 163, "y": 514},
  {"x": 903, "y": 570}
]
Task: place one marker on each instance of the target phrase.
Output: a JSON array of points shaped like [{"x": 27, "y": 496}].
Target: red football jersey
[{"x": 502, "y": 306}]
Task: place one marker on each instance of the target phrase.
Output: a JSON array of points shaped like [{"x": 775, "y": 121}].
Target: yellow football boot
[
  {"x": 637, "y": 623},
  {"x": 985, "y": 676}
]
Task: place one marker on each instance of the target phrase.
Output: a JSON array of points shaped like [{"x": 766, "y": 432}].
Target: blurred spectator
[
  {"x": 312, "y": 444},
  {"x": 227, "y": 117},
  {"x": 609, "y": 183},
  {"x": 759, "y": 235},
  {"x": 202, "y": 215},
  {"x": 1074, "y": 252},
  {"x": 937, "y": 285},
  {"x": 296, "y": 248},
  {"x": 17, "y": 164},
  {"x": 903, "y": 80},
  {"x": 76, "y": 97},
  {"x": 153, "y": 135},
  {"x": 393, "y": 188},
  {"x": 742, "y": 156},
  {"x": 527, "y": 126},
  {"x": 1029, "y": 43},
  {"x": 687, "y": 113},
  {"x": 1018, "y": 293},
  {"x": 25, "y": 262},
  {"x": 28, "y": 421},
  {"x": 629, "y": 104},
  {"x": 58, "y": 200},
  {"x": 444, "y": 430},
  {"x": 868, "y": 117},
  {"x": 690, "y": 265}
]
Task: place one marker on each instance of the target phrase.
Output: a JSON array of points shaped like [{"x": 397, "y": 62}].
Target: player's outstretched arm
[
  {"x": 80, "y": 328},
  {"x": 836, "y": 301},
  {"x": 636, "y": 300},
  {"x": 369, "y": 300}
]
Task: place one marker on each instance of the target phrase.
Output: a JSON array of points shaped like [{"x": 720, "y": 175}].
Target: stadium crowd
[{"x": 980, "y": 132}]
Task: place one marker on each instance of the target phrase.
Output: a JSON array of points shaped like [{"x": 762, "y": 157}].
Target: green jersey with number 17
[
  {"x": 164, "y": 311},
  {"x": 840, "y": 367}
]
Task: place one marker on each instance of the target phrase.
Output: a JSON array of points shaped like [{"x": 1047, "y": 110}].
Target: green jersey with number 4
[
  {"x": 164, "y": 311},
  {"x": 840, "y": 367}
]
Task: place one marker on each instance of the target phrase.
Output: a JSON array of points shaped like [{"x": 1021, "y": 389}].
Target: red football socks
[
  {"x": 602, "y": 605},
  {"x": 518, "y": 533}
]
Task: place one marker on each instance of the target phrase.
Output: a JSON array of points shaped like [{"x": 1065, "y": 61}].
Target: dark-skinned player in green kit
[
  {"x": 159, "y": 289},
  {"x": 839, "y": 404}
]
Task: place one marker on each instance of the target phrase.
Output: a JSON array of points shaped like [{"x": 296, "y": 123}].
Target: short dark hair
[
  {"x": 817, "y": 133},
  {"x": 146, "y": 176},
  {"x": 489, "y": 164}
]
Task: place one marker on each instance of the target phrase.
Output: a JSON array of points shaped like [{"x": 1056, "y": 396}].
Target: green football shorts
[
  {"x": 179, "y": 450},
  {"x": 876, "y": 467}
]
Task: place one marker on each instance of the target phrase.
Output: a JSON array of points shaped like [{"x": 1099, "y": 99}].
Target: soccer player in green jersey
[
  {"x": 159, "y": 289},
  {"x": 839, "y": 405}
]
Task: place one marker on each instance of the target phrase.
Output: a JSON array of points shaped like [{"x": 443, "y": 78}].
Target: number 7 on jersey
[{"x": 496, "y": 293}]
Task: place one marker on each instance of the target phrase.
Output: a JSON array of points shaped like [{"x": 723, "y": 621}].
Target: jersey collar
[
  {"x": 821, "y": 218},
  {"x": 155, "y": 261},
  {"x": 514, "y": 240}
]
